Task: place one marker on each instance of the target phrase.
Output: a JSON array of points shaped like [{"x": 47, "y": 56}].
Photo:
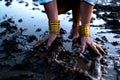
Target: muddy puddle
[{"x": 23, "y": 22}]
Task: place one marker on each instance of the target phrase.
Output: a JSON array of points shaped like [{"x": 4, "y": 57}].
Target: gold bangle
[
  {"x": 84, "y": 30},
  {"x": 54, "y": 26},
  {"x": 54, "y": 22}
]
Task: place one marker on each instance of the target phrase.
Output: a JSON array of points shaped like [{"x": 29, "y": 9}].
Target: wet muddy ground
[{"x": 22, "y": 23}]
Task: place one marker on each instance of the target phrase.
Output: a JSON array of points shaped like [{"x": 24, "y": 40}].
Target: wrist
[
  {"x": 84, "y": 30},
  {"x": 54, "y": 27}
]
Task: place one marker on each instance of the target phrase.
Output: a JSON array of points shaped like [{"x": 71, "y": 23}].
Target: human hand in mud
[
  {"x": 54, "y": 30},
  {"x": 49, "y": 38},
  {"x": 96, "y": 47}
]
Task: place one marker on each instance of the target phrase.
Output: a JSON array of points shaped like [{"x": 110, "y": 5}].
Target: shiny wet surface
[{"x": 16, "y": 42}]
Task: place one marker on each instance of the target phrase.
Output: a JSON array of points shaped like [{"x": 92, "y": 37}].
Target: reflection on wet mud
[{"x": 19, "y": 60}]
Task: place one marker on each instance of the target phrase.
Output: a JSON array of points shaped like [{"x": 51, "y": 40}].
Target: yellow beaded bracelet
[
  {"x": 54, "y": 26},
  {"x": 57, "y": 22},
  {"x": 84, "y": 30}
]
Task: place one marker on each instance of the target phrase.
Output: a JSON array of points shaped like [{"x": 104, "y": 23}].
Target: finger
[
  {"x": 45, "y": 38},
  {"x": 96, "y": 50},
  {"x": 51, "y": 39},
  {"x": 100, "y": 49},
  {"x": 39, "y": 42},
  {"x": 83, "y": 45},
  {"x": 93, "y": 46}
]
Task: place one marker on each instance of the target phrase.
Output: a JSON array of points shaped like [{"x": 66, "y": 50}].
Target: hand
[
  {"x": 49, "y": 38},
  {"x": 88, "y": 41}
]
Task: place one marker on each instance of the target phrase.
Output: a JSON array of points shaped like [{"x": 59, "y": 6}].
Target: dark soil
[{"x": 20, "y": 60}]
